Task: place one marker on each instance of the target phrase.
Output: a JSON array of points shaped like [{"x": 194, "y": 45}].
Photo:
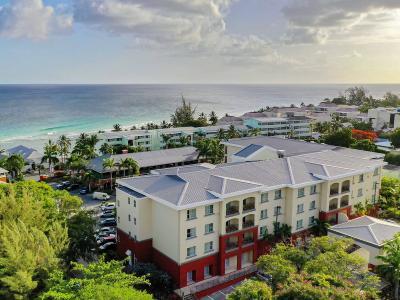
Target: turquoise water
[{"x": 29, "y": 112}]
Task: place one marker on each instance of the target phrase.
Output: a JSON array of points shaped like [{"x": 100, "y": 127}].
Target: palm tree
[
  {"x": 109, "y": 163},
  {"x": 14, "y": 164},
  {"x": 254, "y": 131},
  {"x": 320, "y": 227},
  {"x": 166, "y": 139},
  {"x": 202, "y": 146},
  {"x": 132, "y": 164},
  {"x": 88, "y": 177},
  {"x": 117, "y": 127},
  {"x": 216, "y": 151},
  {"x": 64, "y": 144},
  {"x": 76, "y": 163},
  {"x": 221, "y": 134},
  {"x": 183, "y": 140},
  {"x": 232, "y": 132},
  {"x": 106, "y": 149},
  {"x": 390, "y": 266},
  {"x": 213, "y": 118},
  {"x": 124, "y": 165},
  {"x": 50, "y": 154}
]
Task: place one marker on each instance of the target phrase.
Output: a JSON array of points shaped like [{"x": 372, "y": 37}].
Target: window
[
  {"x": 191, "y": 277},
  {"x": 299, "y": 224},
  {"x": 361, "y": 178},
  {"x": 373, "y": 199},
  {"x": 313, "y": 189},
  {"x": 191, "y": 214},
  {"x": 118, "y": 219},
  {"x": 209, "y": 210},
  {"x": 207, "y": 271},
  {"x": 277, "y": 210},
  {"x": 312, "y": 205},
  {"x": 209, "y": 228},
  {"x": 300, "y": 193},
  {"x": 134, "y": 221},
  {"x": 300, "y": 208},
  {"x": 359, "y": 193},
  {"x": 129, "y": 200},
  {"x": 264, "y": 214},
  {"x": 129, "y": 218},
  {"x": 191, "y": 251},
  {"x": 134, "y": 203},
  {"x": 278, "y": 194},
  {"x": 264, "y": 197},
  {"x": 376, "y": 172},
  {"x": 191, "y": 233},
  {"x": 311, "y": 220},
  {"x": 118, "y": 203},
  {"x": 208, "y": 247},
  {"x": 263, "y": 230}
]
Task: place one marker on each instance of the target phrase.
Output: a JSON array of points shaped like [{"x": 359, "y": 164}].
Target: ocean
[{"x": 31, "y": 114}]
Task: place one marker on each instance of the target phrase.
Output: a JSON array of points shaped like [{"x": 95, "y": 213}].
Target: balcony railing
[
  {"x": 247, "y": 224},
  {"x": 232, "y": 211},
  {"x": 232, "y": 228},
  {"x": 231, "y": 245},
  {"x": 248, "y": 207},
  {"x": 248, "y": 240},
  {"x": 345, "y": 189},
  {"x": 333, "y": 206},
  {"x": 334, "y": 192}
]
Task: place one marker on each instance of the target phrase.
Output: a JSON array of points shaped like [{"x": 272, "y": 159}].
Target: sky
[{"x": 199, "y": 41}]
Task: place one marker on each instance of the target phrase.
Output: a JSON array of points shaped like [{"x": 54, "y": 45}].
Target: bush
[{"x": 393, "y": 158}]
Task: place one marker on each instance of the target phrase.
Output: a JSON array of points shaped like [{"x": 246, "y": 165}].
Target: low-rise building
[
  {"x": 384, "y": 118},
  {"x": 206, "y": 226},
  {"x": 369, "y": 234},
  {"x": 3, "y": 175}
]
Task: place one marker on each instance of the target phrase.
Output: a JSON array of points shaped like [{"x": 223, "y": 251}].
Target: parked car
[
  {"x": 106, "y": 229},
  {"x": 108, "y": 222},
  {"x": 107, "y": 206},
  {"x": 107, "y": 246},
  {"x": 73, "y": 187},
  {"x": 66, "y": 183},
  {"x": 59, "y": 186},
  {"x": 106, "y": 215},
  {"x": 106, "y": 239},
  {"x": 103, "y": 234},
  {"x": 100, "y": 196},
  {"x": 83, "y": 191}
]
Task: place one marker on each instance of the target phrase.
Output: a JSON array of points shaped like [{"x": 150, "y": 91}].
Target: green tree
[
  {"x": 109, "y": 164},
  {"x": 254, "y": 131},
  {"x": 360, "y": 125},
  {"x": 81, "y": 236},
  {"x": 213, "y": 118},
  {"x": 133, "y": 165},
  {"x": 216, "y": 151},
  {"x": 221, "y": 134},
  {"x": 341, "y": 137},
  {"x": 232, "y": 132},
  {"x": 14, "y": 164},
  {"x": 50, "y": 154},
  {"x": 98, "y": 280},
  {"x": 183, "y": 115},
  {"x": 277, "y": 267},
  {"x": 106, "y": 149},
  {"x": 251, "y": 290},
  {"x": 63, "y": 146},
  {"x": 395, "y": 138},
  {"x": 365, "y": 145},
  {"x": 320, "y": 227},
  {"x": 117, "y": 127},
  {"x": 390, "y": 266}
]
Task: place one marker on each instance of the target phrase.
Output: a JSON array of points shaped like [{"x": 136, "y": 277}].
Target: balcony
[
  {"x": 248, "y": 238},
  {"x": 333, "y": 204},
  {"x": 230, "y": 246},
  {"x": 346, "y": 186},
  {"x": 232, "y": 208},
  {"x": 344, "y": 201},
  {"x": 249, "y": 204},
  {"x": 334, "y": 189},
  {"x": 248, "y": 221},
  {"x": 248, "y": 224},
  {"x": 232, "y": 225}
]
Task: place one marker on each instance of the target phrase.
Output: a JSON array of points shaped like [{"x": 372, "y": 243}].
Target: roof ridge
[
  {"x": 372, "y": 233},
  {"x": 236, "y": 179},
  {"x": 183, "y": 193},
  {"x": 292, "y": 181}
]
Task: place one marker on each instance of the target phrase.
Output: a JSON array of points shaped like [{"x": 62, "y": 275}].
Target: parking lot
[{"x": 222, "y": 294}]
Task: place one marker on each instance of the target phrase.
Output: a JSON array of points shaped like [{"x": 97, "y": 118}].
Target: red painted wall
[{"x": 143, "y": 250}]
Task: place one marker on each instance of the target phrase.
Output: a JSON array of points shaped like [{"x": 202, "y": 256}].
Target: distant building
[
  {"x": 296, "y": 126},
  {"x": 3, "y": 175},
  {"x": 147, "y": 161},
  {"x": 384, "y": 118}
]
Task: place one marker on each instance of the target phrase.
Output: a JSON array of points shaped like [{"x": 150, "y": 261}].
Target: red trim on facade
[
  {"x": 143, "y": 250},
  {"x": 238, "y": 251},
  {"x": 326, "y": 216}
]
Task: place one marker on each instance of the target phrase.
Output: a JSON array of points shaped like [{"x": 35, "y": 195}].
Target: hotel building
[{"x": 206, "y": 226}]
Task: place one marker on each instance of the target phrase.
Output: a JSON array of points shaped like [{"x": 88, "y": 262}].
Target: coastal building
[
  {"x": 369, "y": 234},
  {"x": 147, "y": 161},
  {"x": 268, "y": 147},
  {"x": 30, "y": 155},
  {"x": 296, "y": 126},
  {"x": 384, "y": 118},
  {"x": 156, "y": 139},
  {"x": 206, "y": 226},
  {"x": 3, "y": 175}
]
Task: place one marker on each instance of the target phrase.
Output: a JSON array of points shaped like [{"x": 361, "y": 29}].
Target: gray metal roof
[
  {"x": 29, "y": 154},
  {"x": 183, "y": 169},
  {"x": 367, "y": 229},
  {"x": 249, "y": 150},
  {"x": 148, "y": 159},
  {"x": 289, "y": 146},
  {"x": 200, "y": 186}
]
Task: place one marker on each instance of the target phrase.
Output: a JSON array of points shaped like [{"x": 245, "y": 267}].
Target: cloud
[
  {"x": 318, "y": 21},
  {"x": 180, "y": 26},
  {"x": 31, "y": 19}
]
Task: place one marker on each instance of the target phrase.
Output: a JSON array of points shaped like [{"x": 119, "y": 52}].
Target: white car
[
  {"x": 100, "y": 196},
  {"x": 108, "y": 206}
]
